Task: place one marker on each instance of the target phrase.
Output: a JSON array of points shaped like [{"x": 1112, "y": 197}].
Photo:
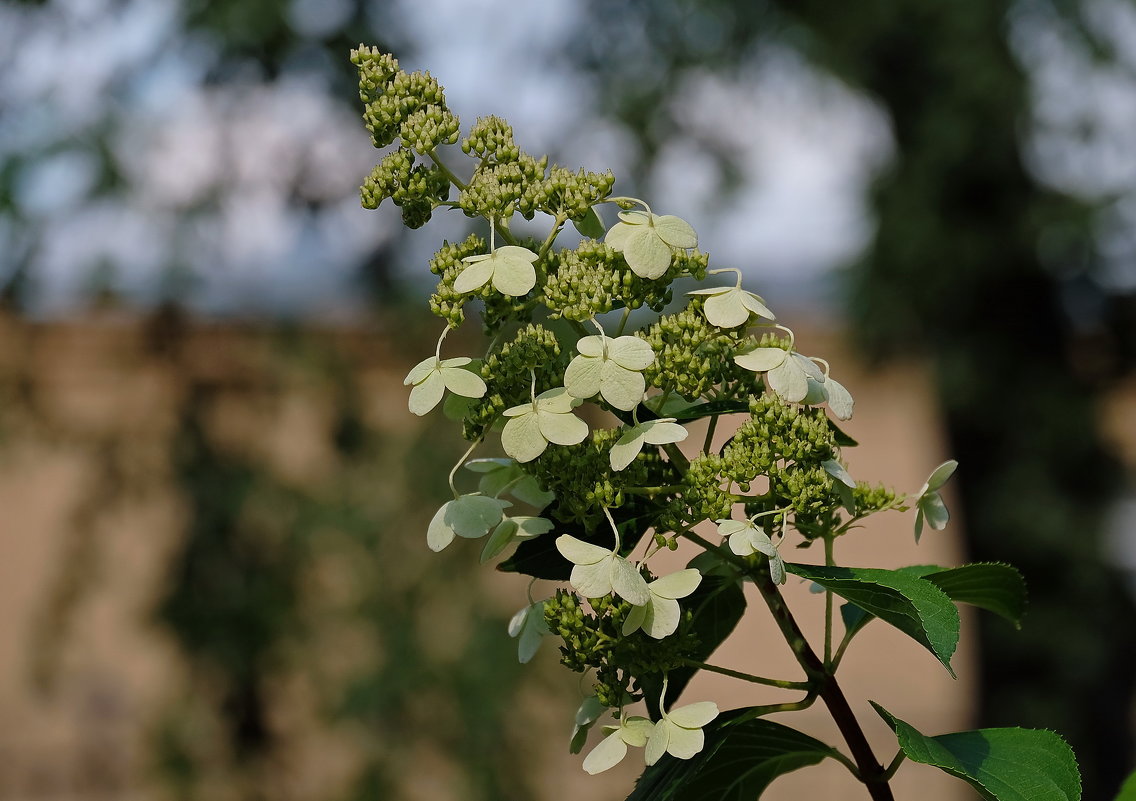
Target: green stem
[
  {"x": 458, "y": 182},
  {"x": 651, "y": 492},
  {"x": 551, "y": 236},
  {"x": 869, "y": 770},
  {"x": 680, "y": 462},
  {"x": 737, "y": 674},
  {"x": 770, "y": 709},
  {"x": 895, "y": 763},
  {"x": 829, "y": 561}
]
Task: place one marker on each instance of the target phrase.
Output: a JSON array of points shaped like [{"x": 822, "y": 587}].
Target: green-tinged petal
[
  {"x": 593, "y": 581},
  {"x": 816, "y": 393},
  {"x": 521, "y": 437},
  {"x": 934, "y": 510},
  {"x": 557, "y": 400},
  {"x": 620, "y": 387},
  {"x": 583, "y": 377},
  {"x": 530, "y": 527},
  {"x": 761, "y": 360},
  {"x": 675, "y": 231},
  {"x": 658, "y": 741},
  {"x": 727, "y": 528},
  {"x": 918, "y": 523},
  {"x": 579, "y": 552},
  {"x": 726, "y": 310},
  {"x": 839, "y": 399},
  {"x": 514, "y": 277},
  {"x": 562, "y": 429},
  {"x": 676, "y": 585},
  {"x": 517, "y": 621},
  {"x": 631, "y": 353},
  {"x": 617, "y": 235},
  {"x": 685, "y": 743},
  {"x": 488, "y": 465},
  {"x": 528, "y": 490},
  {"x": 741, "y": 544},
  {"x": 472, "y": 516},
  {"x": 531, "y": 632},
  {"x": 939, "y": 476},
  {"x": 662, "y": 618},
  {"x": 646, "y": 254},
  {"x": 809, "y": 367},
  {"x": 838, "y": 471},
  {"x": 587, "y": 714},
  {"x": 427, "y": 394},
  {"x": 636, "y": 730},
  {"x": 633, "y": 218},
  {"x": 635, "y": 619},
  {"x": 421, "y": 370},
  {"x": 457, "y": 361},
  {"x": 518, "y": 410},
  {"x": 439, "y": 534},
  {"x": 626, "y": 448},
  {"x": 591, "y": 346},
  {"x": 757, "y": 305},
  {"x": 499, "y": 540},
  {"x": 788, "y": 380},
  {"x": 627, "y": 582},
  {"x": 475, "y": 275},
  {"x": 463, "y": 382},
  {"x": 711, "y": 290},
  {"x": 515, "y": 253},
  {"x": 663, "y": 432},
  {"x": 609, "y": 753},
  {"x": 777, "y": 569},
  {"x": 694, "y": 716}
]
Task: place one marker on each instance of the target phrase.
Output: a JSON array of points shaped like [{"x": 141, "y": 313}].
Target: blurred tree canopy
[{"x": 956, "y": 271}]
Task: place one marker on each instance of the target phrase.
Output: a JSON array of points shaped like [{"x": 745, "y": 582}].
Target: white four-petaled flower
[
  {"x": 647, "y": 241},
  {"x": 929, "y": 503},
  {"x": 679, "y": 732},
  {"x": 470, "y": 516},
  {"x": 529, "y": 627},
  {"x": 730, "y": 306},
  {"x": 432, "y": 377},
  {"x": 611, "y": 368},
  {"x": 660, "y": 616},
  {"x": 786, "y": 372},
  {"x": 653, "y": 432},
  {"x": 746, "y": 537},
  {"x": 599, "y": 571},
  {"x": 510, "y": 268},
  {"x": 548, "y": 418},
  {"x": 613, "y": 748}
]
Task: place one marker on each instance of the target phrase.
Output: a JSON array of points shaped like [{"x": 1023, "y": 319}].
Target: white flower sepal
[
  {"x": 653, "y": 432},
  {"x": 660, "y": 616},
  {"x": 587, "y": 714},
  {"x": 432, "y": 377},
  {"x": 470, "y": 516},
  {"x": 786, "y": 372},
  {"x": 929, "y": 502},
  {"x": 611, "y": 368},
  {"x": 613, "y": 748},
  {"x": 505, "y": 475},
  {"x": 514, "y": 529},
  {"x": 730, "y": 306},
  {"x": 647, "y": 241},
  {"x": 679, "y": 732},
  {"x": 548, "y": 418},
  {"x": 598, "y": 571},
  {"x": 746, "y": 537},
  {"x": 529, "y": 627},
  {"x": 510, "y": 268}
]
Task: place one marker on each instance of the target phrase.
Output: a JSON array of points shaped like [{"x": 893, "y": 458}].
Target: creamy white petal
[
  {"x": 657, "y": 743},
  {"x": 788, "y": 380},
  {"x": 631, "y": 352},
  {"x": 676, "y": 585},
  {"x": 622, "y": 388},
  {"x": 635, "y": 618},
  {"x": 521, "y": 437},
  {"x": 439, "y": 534},
  {"x": 593, "y": 581},
  {"x": 579, "y": 552},
  {"x": 563, "y": 429},
  {"x": 427, "y": 394},
  {"x": 609, "y": 753},
  {"x": 583, "y": 377},
  {"x": 463, "y": 382},
  {"x": 474, "y": 276},
  {"x": 627, "y": 582},
  {"x": 761, "y": 360},
  {"x": 663, "y": 432},
  {"x": 646, "y": 254},
  {"x": 663, "y": 615},
  {"x": 726, "y": 310},
  {"x": 694, "y": 716},
  {"x": 675, "y": 231},
  {"x": 421, "y": 370}
]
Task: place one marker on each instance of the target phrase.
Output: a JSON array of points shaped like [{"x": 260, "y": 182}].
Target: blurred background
[{"x": 213, "y": 579}]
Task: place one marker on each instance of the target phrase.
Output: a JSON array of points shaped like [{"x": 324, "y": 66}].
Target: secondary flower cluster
[{"x": 595, "y": 414}]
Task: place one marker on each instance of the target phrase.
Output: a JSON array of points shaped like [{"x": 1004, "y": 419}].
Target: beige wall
[{"x": 90, "y": 516}]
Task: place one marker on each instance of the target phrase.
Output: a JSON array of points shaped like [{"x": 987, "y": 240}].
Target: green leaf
[
  {"x": 716, "y": 607},
  {"x": 1128, "y": 791},
  {"x": 698, "y": 411},
  {"x": 739, "y": 760},
  {"x": 1001, "y": 764},
  {"x": 992, "y": 586},
  {"x": 590, "y": 225},
  {"x": 913, "y": 605}
]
